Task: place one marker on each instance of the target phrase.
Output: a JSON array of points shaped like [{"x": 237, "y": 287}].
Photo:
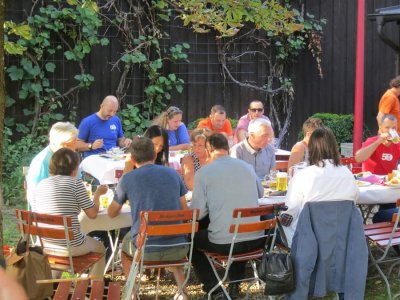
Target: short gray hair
[
  {"x": 255, "y": 124},
  {"x": 62, "y": 132}
]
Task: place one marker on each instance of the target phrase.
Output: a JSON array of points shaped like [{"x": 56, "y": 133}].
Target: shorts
[{"x": 169, "y": 254}]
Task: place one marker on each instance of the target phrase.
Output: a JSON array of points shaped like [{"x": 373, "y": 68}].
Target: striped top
[
  {"x": 196, "y": 161},
  {"x": 63, "y": 195}
]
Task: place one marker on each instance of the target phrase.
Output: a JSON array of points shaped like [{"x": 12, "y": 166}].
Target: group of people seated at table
[{"x": 221, "y": 177}]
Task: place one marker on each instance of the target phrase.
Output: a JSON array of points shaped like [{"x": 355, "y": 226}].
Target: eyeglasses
[{"x": 256, "y": 109}]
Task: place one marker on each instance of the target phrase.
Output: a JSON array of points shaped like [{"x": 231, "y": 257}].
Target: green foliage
[
  {"x": 53, "y": 30},
  {"x": 341, "y": 125},
  {"x": 227, "y": 17},
  {"x": 133, "y": 121},
  {"x": 16, "y": 155},
  {"x": 40, "y": 39}
]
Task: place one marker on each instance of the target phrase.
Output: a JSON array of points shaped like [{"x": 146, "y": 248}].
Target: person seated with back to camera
[
  {"x": 197, "y": 158},
  {"x": 255, "y": 111},
  {"x": 256, "y": 148},
  {"x": 379, "y": 155},
  {"x": 64, "y": 194},
  {"x": 323, "y": 180},
  {"x": 171, "y": 121},
  {"x": 138, "y": 186},
  {"x": 299, "y": 152}
]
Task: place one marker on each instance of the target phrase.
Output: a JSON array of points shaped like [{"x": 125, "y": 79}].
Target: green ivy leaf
[
  {"x": 15, "y": 73},
  {"x": 9, "y": 101},
  {"x": 22, "y": 94},
  {"x": 104, "y": 41},
  {"x": 50, "y": 67},
  {"x": 179, "y": 88},
  {"x": 69, "y": 55},
  {"x": 37, "y": 88},
  {"x": 172, "y": 76}
]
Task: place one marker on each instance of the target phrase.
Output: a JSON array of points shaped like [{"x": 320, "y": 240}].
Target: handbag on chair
[
  {"x": 276, "y": 268},
  {"x": 26, "y": 264}
]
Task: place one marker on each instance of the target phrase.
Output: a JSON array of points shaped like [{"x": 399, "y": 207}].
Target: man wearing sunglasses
[{"x": 255, "y": 110}]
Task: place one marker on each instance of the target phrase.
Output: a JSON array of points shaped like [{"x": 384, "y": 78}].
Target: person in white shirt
[{"x": 323, "y": 180}]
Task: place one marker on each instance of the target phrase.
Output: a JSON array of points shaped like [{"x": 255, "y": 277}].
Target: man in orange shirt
[
  {"x": 218, "y": 122},
  {"x": 389, "y": 103}
]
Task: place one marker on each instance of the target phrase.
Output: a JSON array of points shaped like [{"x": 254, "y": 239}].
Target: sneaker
[{"x": 234, "y": 290}]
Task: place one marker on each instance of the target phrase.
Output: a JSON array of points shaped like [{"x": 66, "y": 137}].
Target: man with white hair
[
  {"x": 61, "y": 135},
  {"x": 102, "y": 130},
  {"x": 256, "y": 149}
]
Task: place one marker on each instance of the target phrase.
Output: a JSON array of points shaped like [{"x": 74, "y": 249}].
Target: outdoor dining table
[
  {"x": 370, "y": 195},
  {"x": 105, "y": 223},
  {"x": 103, "y": 168}
]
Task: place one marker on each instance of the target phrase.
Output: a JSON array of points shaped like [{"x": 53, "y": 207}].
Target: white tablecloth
[
  {"x": 104, "y": 222},
  {"x": 101, "y": 168},
  {"x": 373, "y": 194}
]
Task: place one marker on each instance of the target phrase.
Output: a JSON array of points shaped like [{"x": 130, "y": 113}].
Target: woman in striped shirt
[{"x": 64, "y": 194}]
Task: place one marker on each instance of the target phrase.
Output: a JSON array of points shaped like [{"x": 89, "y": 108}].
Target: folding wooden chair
[
  {"x": 56, "y": 227},
  {"x": 161, "y": 223},
  {"x": 241, "y": 225},
  {"x": 384, "y": 235},
  {"x": 282, "y": 165}
]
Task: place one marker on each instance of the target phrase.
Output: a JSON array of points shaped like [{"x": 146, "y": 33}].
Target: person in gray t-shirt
[
  {"x": 256, "y": 149},
  {"x": 220, "y": 187}
]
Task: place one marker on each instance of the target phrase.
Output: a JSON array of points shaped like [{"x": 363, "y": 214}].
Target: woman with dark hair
[
  {"x": 64, "y": 194},
  {"x": 323, "y": 180},
  {"x": 159, "y": 137},
  {"x": 171, "y": 121}
]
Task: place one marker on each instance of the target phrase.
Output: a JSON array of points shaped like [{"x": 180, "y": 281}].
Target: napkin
[{"x": 372, "y": 179}]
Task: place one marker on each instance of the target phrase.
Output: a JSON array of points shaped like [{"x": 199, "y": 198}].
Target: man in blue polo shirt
[{"x": 102, "y": 130}]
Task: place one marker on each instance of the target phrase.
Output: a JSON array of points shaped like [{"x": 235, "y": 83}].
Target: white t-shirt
[{"x": 313, "y": 184}]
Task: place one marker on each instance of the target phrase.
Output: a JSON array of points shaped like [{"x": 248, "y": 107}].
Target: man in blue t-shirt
[
  {"x": 150, "y": 187},
  {"x": 101, "y": 131}
]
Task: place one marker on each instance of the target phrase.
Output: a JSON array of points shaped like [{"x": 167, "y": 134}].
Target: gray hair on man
[
  {"x": 255, "y": 124},
  {"x": 62, "y": 132}
]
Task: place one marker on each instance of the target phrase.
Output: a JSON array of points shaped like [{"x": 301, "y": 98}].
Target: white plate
[
  {"x": 361, "y": 183},
  {"x": 393, "y": 185}
]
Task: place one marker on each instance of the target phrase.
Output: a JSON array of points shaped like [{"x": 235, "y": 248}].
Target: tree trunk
[{"x": 2, "y": 110}]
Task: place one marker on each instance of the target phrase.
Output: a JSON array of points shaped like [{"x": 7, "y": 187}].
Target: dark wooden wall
[{"x": 205, "y": 86}]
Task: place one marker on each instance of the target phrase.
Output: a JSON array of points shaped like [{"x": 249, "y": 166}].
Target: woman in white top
[
  {"x": 323, "y": 180},
  {"x": 299, "y": 152}
]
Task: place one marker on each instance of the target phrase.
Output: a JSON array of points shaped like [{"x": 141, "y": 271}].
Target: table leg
[{"x": 114, "y": 246}]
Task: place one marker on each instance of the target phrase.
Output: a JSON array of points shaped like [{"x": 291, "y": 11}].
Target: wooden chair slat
[
  {"x": 170, "y": 215},
  {"x": 80, "y": 290},
  {"x": 377, "y": 225},
  {"x": 256, "y": 211},
  {"x": 62, "y": 291},
  {"x": 384, "y": 243},
  {"x": 252, "y": 227},
  {"x": 377, "y": 231},
  {"x": 45, "y": 218},
  {"x": 383, "y": 236},
  {"x": 81, "y": 263},
  {"x": 97, "y": 290},
  {"x": 172, "y": 229},
  {"x": 47, "y": 232},
  {"x": 114, "y": 291}
]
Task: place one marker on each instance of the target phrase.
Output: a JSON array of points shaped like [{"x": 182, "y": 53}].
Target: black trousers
[{"x": 202, "y": 267}]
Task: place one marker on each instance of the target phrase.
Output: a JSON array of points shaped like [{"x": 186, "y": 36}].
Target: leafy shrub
[
  {"x": 16, "y": 155},
  {"x": 342, "y": 126},
  {"x": 133, "y": 121},
  {"x": 193, "y": 125}
]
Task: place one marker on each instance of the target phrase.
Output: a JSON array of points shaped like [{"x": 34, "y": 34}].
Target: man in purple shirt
[{"x": 255, "y": 110}]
